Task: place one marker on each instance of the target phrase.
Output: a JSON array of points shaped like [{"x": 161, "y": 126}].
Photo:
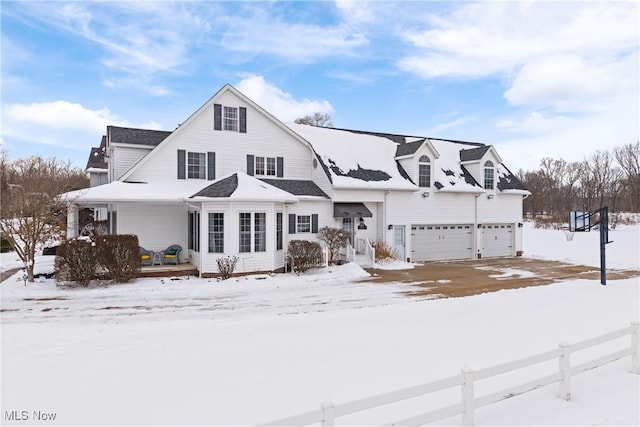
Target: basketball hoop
[{"x": 569, "y": 235}]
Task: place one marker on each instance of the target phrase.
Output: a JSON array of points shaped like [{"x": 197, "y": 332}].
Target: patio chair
[
  {"x": 171, "y": 254},
  {"x": 146, "y": 256}
]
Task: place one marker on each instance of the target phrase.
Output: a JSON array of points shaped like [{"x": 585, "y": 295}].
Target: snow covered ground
[{"x": 248, "y": 350}]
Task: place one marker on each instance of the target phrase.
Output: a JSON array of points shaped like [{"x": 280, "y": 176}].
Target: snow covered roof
[
  {"x": 119, "y": 191},
  {"x": 356, "y": 160},
  {"x": 242, "y": 187},
  {"x": 448, "y": 174},
  {"x": 508, "y": 182},
  {"x": 96, "y": 156}
]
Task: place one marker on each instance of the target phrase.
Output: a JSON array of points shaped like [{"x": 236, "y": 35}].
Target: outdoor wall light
[
  {"x": 490, "y": 196},
  {"x": 425, "y": 194},
  {"x": 390, "y": 227},
  {"x": 362, "y": 225}
]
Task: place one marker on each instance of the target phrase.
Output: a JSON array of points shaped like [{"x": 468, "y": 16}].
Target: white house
[{"x": 232, "y": 180}]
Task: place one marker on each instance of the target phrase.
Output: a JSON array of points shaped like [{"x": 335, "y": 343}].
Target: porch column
[{"x": 72, "y": 221}]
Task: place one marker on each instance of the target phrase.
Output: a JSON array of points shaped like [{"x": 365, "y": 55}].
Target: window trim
[
  {"x": 196, "y": 166},
  {"x": 216, "y": 233},
  {"x": 300, "y": 224},
  {"x": 230, "y": 118},
  {"x": 489, "y": 175},
  {"x": 424, "y": 162}
]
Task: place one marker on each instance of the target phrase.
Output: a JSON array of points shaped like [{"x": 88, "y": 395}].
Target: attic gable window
[
  {"x": 229, "y": 118},
  {"x": 488, "y": 175},
  {"x": 194, "y": 165},
  {"x": 424, "y": 172},
  {"x": 265, "y": 166}
]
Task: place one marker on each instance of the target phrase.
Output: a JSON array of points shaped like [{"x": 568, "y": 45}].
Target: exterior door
[{"x": 399, "y": 240}]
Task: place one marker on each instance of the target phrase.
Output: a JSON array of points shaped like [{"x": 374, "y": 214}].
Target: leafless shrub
[
  {"x": 226, "y": 266},
  {"x": 305, "y": 255},
  {"x": 334, "y": 238}
]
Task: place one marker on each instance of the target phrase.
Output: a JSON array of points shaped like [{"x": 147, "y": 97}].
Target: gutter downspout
[{"x": 475, "y": 227}]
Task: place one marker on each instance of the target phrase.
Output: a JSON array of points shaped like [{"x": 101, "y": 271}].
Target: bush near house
[
  {"x": 334, "y": 238},
  {"x": 384, "y": 251},
  {"x": 304, "y": 255},
  {"x": 114, "y": 257},
  {"x": 119, "y": 255},
  {"x": 226, "y": 266},
  {"x": 76, "y": 262}
]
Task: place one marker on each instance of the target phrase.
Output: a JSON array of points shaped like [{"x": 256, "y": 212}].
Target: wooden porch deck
[{"x": 168, "y": 270}]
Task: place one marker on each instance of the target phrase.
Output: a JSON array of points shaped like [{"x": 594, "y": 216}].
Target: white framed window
[
  {"x": 259, "y": 165},
  {"x": 245, "y": 232},
  {"x": 216, "y": 232},
  {"x": 488, "y": 175},
  {"x": 271, "y": 166},
  {"x": 196, "y": 165},
  {"x": 424, "y": 172},
  {"x": 230, "y": 118},
  {"x": 303, "y": 224},
  {"x": 260, "y": 232}
]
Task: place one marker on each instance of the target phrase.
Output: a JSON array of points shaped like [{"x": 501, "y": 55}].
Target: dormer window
[
  {"x": 424, "y": 172},
  {"x": 488, "y": 175}
]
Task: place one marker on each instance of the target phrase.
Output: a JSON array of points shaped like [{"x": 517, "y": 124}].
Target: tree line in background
[{"x": 604, "y": 178}]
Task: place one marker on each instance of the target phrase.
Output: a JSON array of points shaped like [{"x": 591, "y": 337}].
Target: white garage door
[
  {"x": 440, "y": 242},
  {"x": 497, "y": 240}
]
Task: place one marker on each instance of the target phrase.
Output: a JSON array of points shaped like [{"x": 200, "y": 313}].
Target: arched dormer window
[
  {"x": 424, "y": 172},
  {"x": 488, "y": 175}
]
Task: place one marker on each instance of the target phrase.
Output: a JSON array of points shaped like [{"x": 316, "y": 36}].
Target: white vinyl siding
[
  {"x": 157, "y": 226},
  {"x": 231, "y": 148},
  {"x": 123, "y": 158}
]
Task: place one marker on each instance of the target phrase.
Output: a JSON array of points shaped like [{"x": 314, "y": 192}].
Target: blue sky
[{"x": 535, "y": 79}]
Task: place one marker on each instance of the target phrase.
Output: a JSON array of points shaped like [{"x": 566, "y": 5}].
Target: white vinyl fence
[{"x": 328, "y": 412}]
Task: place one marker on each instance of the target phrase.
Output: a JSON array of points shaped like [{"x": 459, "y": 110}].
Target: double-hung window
[
  {"x": 230, "y": 118},
  {"x": 424, "y": 172},
  {"x": 245, "y": 232},
  {"x": 216, "y": 232},
  {"x": 252, "y": 232},
  {"x": 259, "y": 232},
  {"x": 259, "y": 165},
  {"x": 271, "y": 166},
  {"x": 304, "y": 224},
  {"x": 196, "y": 165},
  {"x": 488, "y": 175}
]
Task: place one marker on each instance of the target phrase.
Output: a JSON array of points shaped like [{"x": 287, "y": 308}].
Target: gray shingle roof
[
  {"x": 222, "y": 188},
  {"x": 408, "y": 148},
  {"x": 96, "y": 156},
  {"x": 297, "y": 187},
  {"x": 473, "y": 153},
  {"x": 137, "y": 136}
]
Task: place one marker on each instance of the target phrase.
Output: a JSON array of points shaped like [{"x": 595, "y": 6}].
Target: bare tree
[
  {"x": 317, "y": 119},
  {"x": 628, "y": 157},
  {"x": 31, "y": 214}
]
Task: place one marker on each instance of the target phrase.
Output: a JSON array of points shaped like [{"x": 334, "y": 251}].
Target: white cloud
[
  {"x": 59, "y": 123},
  {"x": 261, "y": 33},
  {"x": 278, "y": 102}
]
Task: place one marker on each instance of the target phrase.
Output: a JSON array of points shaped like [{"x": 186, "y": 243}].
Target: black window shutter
[
  {"x": 314, "y": 223},
  {"x": 279, "y": 167},
  {"x": 292, "y": 223},
  {"x": 243, "y": 120},
  {"x": 181, "y": 164},
  {"x": 250, "y": 167},
  {"x": 211, "y": 166},
  {"x": 217, "y": 117}
]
